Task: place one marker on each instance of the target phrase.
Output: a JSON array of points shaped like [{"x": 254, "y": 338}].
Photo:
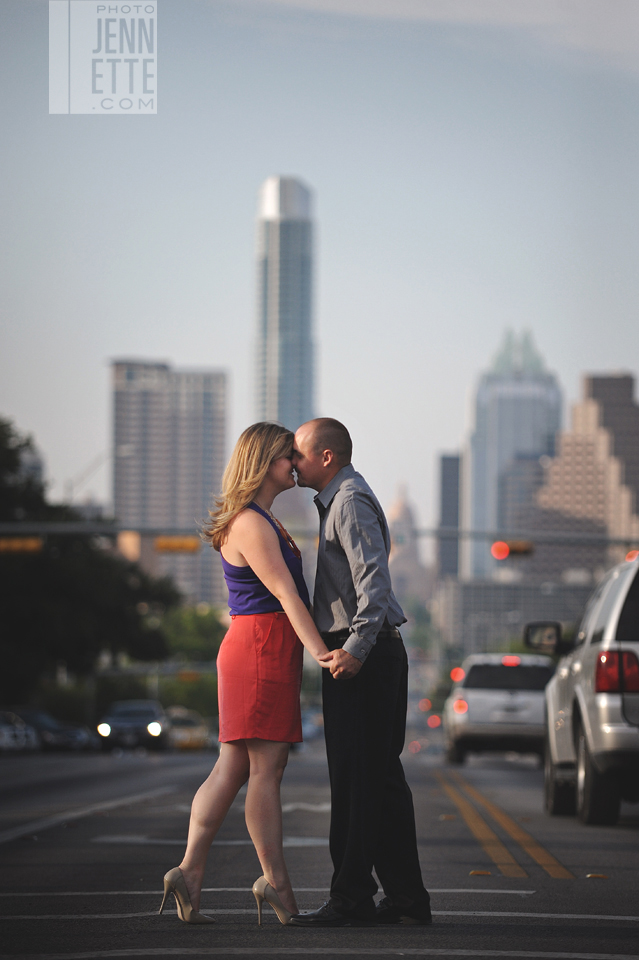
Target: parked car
[
  {"x": 498, "y": 705},
  {"x": 15, "y": 734},
  {"x": 134, "y": 723},
  {"x": 188, "y": 730},
  {"x": 592, "y": 703},
  {"x": 55, "y": 734}
]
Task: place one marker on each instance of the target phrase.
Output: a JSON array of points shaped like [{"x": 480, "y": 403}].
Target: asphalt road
[{"x": 85, "y": 841}]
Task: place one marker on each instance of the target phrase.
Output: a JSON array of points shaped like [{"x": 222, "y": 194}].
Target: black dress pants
[{"x": 372, "y": 816}]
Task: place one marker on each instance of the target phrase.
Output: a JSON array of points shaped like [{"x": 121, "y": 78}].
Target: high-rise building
[
  {"x": 168, "y": 456},
  {"x": 595, "y": 475},
  {"x": 518, "y": 413},
  {"x": 448, "y": 547},
  {"x": 284, "y": 379}
]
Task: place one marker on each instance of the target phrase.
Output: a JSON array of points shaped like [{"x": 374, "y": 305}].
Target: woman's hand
[
  {"x": 343, "y": 665},
  {"x": 324, "y": 659}
]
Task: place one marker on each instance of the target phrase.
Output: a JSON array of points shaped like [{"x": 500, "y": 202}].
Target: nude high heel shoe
[
  {"x": 262, "y": 890},
  {"x": 174, "y": 883}
]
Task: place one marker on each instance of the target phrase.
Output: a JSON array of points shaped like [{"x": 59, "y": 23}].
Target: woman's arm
[{"x": 258, "y": 543}]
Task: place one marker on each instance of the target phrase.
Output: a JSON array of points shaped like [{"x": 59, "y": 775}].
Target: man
[{"x": 364, "y": 693}]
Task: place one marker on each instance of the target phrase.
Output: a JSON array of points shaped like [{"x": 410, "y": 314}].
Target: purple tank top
[{"x": 247, "y": 593}]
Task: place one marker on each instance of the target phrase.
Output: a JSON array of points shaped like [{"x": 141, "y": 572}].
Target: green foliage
[
  {"x": 124, "y": 686},
  {"x": 421, "y": 632},
  {"x": 21, "y": 496},
  {"x": 200, "y": 694},
  {"x": 439, "y": 695},
  {"x": 73, "y": 703},
  {"x": 72, "y": 600},
  {"x": 193, "y": 633},
  {"x": 516, "y": 645}
]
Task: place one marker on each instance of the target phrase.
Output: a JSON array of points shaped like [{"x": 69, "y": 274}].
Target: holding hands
[{"x": 343, "y": 665}]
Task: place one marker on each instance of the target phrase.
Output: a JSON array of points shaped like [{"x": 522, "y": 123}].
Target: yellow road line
[
  {"x": 489, "y": 840},
  {"x": 534, "y": 849}
]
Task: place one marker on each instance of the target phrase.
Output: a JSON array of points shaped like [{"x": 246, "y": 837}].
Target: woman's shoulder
[{"x": 250, "y": 521}]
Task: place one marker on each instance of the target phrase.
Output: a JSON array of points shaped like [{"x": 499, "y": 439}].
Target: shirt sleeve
[{"x": 359, "y": 528}]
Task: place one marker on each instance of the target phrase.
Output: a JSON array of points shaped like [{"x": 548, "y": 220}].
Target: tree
[
  {"x": 73, "y": 599},
  {"x": 22, "y": 496},
  {"x": 193, "y": 633}
]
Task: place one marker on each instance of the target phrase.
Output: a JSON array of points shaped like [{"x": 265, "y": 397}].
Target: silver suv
[{"x": 592, "y": 703}]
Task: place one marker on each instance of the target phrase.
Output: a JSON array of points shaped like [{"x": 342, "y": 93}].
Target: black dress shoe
[
  {"x": 328, "y": 916},
  {"x": 417, "y": 913}
]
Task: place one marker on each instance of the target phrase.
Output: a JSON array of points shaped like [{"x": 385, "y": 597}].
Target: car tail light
[
  {"x": 630, "y": 673},
  {"x": 460, "y": 706},
  {"x": 607, "y": 674}
]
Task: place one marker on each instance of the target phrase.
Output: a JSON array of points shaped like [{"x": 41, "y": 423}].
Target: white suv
[
  {"x": 592, "y": 703},
  {"x": 498, "y": 704}
]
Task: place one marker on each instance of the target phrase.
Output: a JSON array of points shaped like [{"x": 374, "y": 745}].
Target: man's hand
[{"x": 343, "y": 665}]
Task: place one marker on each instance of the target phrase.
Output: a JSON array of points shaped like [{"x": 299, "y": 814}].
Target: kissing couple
[{"x": 353, "y": 634}]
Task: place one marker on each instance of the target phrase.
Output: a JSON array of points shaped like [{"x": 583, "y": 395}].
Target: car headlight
[
  {"x": 154, "y": 728},
  {"x": 104, "y": 729}
]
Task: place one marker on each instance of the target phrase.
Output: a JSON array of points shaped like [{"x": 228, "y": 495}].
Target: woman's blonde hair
[{"x": 256, "y": 449}]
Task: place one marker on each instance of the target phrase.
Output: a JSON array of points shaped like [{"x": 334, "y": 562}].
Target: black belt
[{"x": 339, "y": 635}]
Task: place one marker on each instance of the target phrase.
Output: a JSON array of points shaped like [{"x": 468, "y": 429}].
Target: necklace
[{"x": 284, "y": 532}]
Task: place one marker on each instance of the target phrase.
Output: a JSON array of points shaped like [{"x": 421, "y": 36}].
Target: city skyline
[{"x": 471, "y": 176}]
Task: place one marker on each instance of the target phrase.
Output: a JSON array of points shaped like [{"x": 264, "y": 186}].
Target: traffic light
[
  {"x": 170, "y": 544},
  {"x": 21, "y": 544},
  {"x": 502, "y": 549}
]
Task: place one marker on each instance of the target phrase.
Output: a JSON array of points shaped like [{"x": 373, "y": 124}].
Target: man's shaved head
[{"x": 329, "y": 434}]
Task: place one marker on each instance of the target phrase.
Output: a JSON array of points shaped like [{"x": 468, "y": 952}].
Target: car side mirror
[{"x": 544, "y": 636}]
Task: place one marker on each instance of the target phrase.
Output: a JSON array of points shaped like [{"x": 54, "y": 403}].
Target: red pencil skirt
[{"x": 259, "y": 676}]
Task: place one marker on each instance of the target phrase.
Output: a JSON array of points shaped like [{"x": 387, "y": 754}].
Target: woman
[{"x": 259, "y": 670}]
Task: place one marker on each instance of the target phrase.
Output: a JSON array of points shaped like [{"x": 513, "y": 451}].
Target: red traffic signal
[{"x": 501, "y": 549}]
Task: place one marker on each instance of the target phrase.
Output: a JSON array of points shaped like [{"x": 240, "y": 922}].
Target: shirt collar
[{"x": 324, "y": 498}]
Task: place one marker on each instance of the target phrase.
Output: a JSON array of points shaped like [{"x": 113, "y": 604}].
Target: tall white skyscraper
[
  {"x": 168, "y": 457},
  {"x": 517, "y": 415},
  {"x": 284, "y": 379}
]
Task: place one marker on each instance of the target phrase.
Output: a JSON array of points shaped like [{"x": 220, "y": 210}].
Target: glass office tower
[
  {"x": 517, "y": 415},
  {"x": 284, "y": 349}
]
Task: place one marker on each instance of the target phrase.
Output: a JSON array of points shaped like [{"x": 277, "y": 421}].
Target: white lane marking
[
  {"x": 146, "y": 893},
  {"x": 223, "y": 911},
  {"x": 516, "y": 893},
  {"x": 158, "y": 893},
  {"x": 142, "y": 841},
  {"x": 37, "y": 826},
  {"x": 317, "y": 951},
  {"x": 114, "y": 916},
  {"x": 310, "y": 807},
  {"x": 541, "y": 916}
]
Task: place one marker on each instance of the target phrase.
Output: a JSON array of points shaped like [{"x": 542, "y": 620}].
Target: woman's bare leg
[
  {"x": 263, "y": 810},
  {"x": 210, "y": 805}
]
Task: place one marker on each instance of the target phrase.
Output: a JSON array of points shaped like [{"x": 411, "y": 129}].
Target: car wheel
[
  {"x": 455, "y": 754},
  {"x": 559, "y": 795},
  {"x": 598, "y": 796}
]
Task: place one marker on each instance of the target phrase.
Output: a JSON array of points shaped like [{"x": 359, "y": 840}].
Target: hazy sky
[{"x": 475, "y": 164}]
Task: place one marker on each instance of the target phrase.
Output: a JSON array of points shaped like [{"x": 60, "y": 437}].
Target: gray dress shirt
[{"x": 353, "y": 586}]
